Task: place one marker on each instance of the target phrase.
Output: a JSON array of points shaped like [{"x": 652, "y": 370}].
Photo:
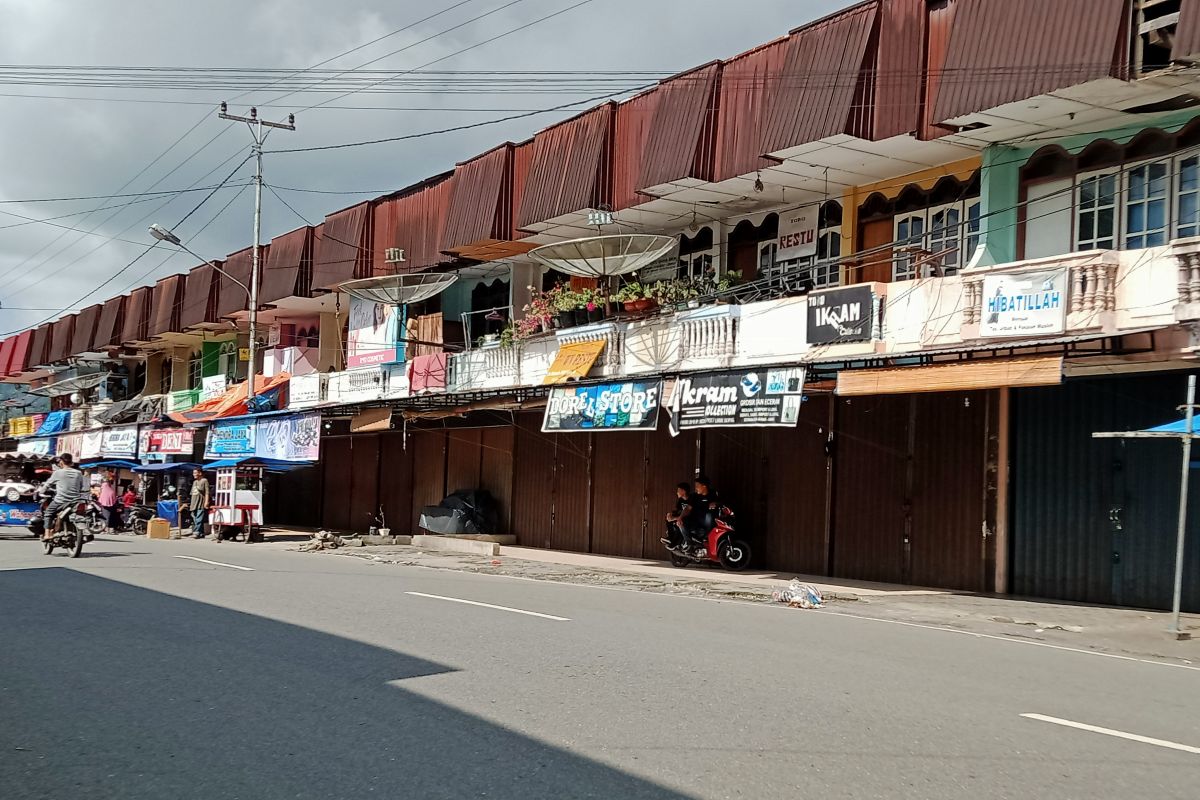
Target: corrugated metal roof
[
  {"x": 412, "y": 221},
  {"x": 339, "y": 253},
  {"x": 199, "y": 298},
  {"x": 282, "y": 266},
  {"x": 481, "y": 200},
  {"x": 85, "y": 330},
  {"x": 898, "y": 62},
  {"x": 743, "y": 109},
  {"x": 631, "y": 131},
  {"x": 1187, "y": 30},
  {"x": 108, "y": 329},
  {"x": 19, "y": 361},
  {"x": 164, "y": 305},
  {"x": 939, "y": 22},
  {"x": 6, "y": 351},
  {"x": 680, "y": 137},
  {"x": 569, "y": 171},
  {"x": 232, "y": 298},
  {"x": 521, "y": 162},
  {"x": 62, "y": 333},
  {"x": 136, "y": 309},
  {"x": 813, "y": 97},
  {"x": 1002, "y": 51}
]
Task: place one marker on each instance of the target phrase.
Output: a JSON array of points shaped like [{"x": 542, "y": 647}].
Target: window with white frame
[
  {"x": 935, "y": 240},
  {"x": 821, "y": 270},
  {"x": 227, "y": 360},
  {"x": 195, "y": 370}
]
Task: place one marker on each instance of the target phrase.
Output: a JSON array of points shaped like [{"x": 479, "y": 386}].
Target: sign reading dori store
[
  {"x": 1029, "y": 303},
  {"x": 605, "y": 406},
  {"x": 737, "y": 399},
  {"x": 841, "y": 315}
]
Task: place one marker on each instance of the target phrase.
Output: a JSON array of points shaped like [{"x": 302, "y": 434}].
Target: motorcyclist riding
[
  {"x": 677, "y": 535},
  {"x": 69, "y": 487}
]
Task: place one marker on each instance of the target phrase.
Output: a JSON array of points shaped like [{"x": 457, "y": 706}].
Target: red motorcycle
[{"x": 721, "y": 546}]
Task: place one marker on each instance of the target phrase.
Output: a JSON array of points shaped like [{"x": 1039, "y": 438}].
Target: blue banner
[
  {"x": 230, "y": 439},
  {"x": 18, "y": 513},
  {"x": 605, "y": 406}
]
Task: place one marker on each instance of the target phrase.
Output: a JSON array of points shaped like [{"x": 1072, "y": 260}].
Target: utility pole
[
  {"x": 256, "y": 125},
  {"x": 1181, "y": 527}
]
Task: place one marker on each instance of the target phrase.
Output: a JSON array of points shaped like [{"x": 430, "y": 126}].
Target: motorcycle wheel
[
  {"x": 77, "y": 547},
  {"x": 138, "y": 527},
  {"x": 95, "y": 523},
  {"x": 12, "y": 496},
  {"x": 47, "y": 546},
  {"x": 735, "y": 555},
  {"x": 678, "y": 560}
]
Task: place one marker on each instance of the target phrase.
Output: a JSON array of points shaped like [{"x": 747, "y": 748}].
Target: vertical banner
[
  {"x": 295, "y": 437},
  {"x": 372, "y": 334},
  {"x": 751, "y": 399}
]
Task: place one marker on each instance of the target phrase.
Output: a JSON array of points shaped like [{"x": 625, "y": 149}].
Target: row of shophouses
[{"x": 997, "y": 205}]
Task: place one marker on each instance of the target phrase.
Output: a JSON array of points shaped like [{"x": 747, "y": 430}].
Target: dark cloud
[{"x": 83, "y": 147}]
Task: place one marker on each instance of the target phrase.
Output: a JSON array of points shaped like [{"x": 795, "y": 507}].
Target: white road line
[
  {"x": 1133, "y": 737},
  {"x": 215, "y": 563},
  {"x": 489, "y": 605}
]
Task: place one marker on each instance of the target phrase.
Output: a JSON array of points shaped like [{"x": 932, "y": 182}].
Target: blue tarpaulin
[
  {"x": 1177, "y": 427},
  {"x": 110, "y": 462},
  {"x": 55, "y": 422},
  {"x": 183, "y": 466},
  {"x": 269, "y": 464}
]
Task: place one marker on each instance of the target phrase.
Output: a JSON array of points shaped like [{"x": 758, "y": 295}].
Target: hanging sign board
[
  {"x": 841, "y": 315},
  {"x": 213, "y": 386},
  {"x": 229, "y": 440},
  {"x": 797, "y": 234},
  {"x": 757, "y": 398},
  {"x": 573, "y": 361},
  {"x": 175, "y": 442},
  {"x": 36, "y": 447},
  {"x": 605, "y": 406},
  {"x": 372, "y": 334},
  {"x": 93, "y": 441},
  {"x": 295, "y": 437},
  {"x": 1025, "y": 304},
  {"x": 119, "y": 441}
]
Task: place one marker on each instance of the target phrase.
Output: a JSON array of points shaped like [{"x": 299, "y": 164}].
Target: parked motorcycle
[
  {"x": 720, "y": 546},
  {"x": 96, "y": 517},
  {"x": 138, "y": 516}
]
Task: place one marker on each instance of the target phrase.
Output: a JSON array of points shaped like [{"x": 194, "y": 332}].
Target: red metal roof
[
  {"x": 85, "y": 330},
  {"x": 813, "y": 97},
  {"x": 108, "y": 329},
  {"x": 280, "y": 276},
  {"x": 412, "y": 221},
  {"x": 742, "y": 115},
  {"x": 681, "y": 133},
  {"x": 136, "y": 321},
  {"x": 340, "y": 255},
  {"x": 1002, "y": 51},
  {"x": 631, "y": 129},
  {"x": 1187, "y": 30},
  {"x": 570, "y": 167},
  {"x": 481, "y": 200},
  {"x": 898, "y": 65},
  {"x": 6, "y": 351},
  {"x": 19, "y": 359},
  {"x": 164, "y": 304},
  {"x": 232, "y": 298},
  {"x": 522, "y": 161},
  {"x": 59, "y": 345},
  {"x": 199, "y": 297}
]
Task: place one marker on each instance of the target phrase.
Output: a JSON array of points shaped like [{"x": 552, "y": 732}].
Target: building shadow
[{"x": 113, "y": 691}]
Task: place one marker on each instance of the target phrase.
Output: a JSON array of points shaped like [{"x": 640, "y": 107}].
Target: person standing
[
  {"x": 108, "y": 502},
  {"x": 199, "y": 503}
]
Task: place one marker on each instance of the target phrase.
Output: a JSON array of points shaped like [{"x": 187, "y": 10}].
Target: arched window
[
  {"x": 227, "y": 361},
  {"x": 811, "y": 272},
  {"x": 167, "y": 366},
  {"x": 195, "y": 370}
]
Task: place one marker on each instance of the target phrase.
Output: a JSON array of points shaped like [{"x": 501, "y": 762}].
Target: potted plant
[
  {"x": 565, "y": 303},
  {"x": 636, "y": 296},
  {"x": 592, "y": 305}
]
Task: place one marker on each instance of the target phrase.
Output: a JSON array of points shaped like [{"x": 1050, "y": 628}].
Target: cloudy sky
[{"x": 63, "y": 135}]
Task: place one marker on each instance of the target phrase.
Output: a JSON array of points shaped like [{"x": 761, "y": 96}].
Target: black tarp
[{"x": 471, "y": 512}]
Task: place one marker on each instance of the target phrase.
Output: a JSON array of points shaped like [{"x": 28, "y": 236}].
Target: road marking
[
  {"x": 215, "y": 563},
  {"x": 1133, "y": 737},
  {"x": 489, "y": 605}
]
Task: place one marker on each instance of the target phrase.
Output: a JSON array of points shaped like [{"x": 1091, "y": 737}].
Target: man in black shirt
[
  {"x": 677, "y": 519},
  {"x": 705, "y": 505}
]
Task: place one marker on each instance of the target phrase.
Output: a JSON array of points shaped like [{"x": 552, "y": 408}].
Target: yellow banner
[
  {"x": 573, "y": 360},
  {"x": 20, "y": 426}
]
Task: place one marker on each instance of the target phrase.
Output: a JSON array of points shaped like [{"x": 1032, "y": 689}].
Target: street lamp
[{"x": 164, "y": 235}]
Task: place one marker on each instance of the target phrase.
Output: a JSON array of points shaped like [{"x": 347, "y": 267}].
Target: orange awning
[
  {"x": 230, "y": 404},
  {"x": 993, "y": 373},
  {"x": 573, "y": 361}
]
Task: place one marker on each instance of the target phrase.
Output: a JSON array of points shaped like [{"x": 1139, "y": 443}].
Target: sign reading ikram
[
  {"x": 737, "y": 399},
  {"x": 1024, "y": 304}
]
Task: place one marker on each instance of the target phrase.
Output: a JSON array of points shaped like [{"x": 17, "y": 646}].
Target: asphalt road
[{"x": 137, "y": 673}]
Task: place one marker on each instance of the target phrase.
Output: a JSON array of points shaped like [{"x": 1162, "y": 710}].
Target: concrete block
[{"x": 450, "y": 544}]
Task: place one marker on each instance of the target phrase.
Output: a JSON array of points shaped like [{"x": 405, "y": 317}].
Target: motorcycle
[
  {"x": 720, "y": 546},
  {"x": 70, "y": 529},
  {"x": 138, "y": 516},
  {"x": 96, "y": 517}
]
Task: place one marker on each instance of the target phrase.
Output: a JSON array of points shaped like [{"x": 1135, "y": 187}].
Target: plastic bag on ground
[{"x": 798, "y": 594}]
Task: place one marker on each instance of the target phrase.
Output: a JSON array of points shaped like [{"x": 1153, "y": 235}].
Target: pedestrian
[
  {"x": 199, "y": 503},
  {"x": 129, "y": 499},
  {"x": 108, "y": 502}
]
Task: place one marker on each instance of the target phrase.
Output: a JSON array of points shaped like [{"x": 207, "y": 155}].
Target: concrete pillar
[
  {"x": 333, "y": 343},
  {"x": 181, "y": 357},
  {"x": 522, "y": 275},
  {"x": 999, "y": 193},
  {"x": 153, "y": 372}
]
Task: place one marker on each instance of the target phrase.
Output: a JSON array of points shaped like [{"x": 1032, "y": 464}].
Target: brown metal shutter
[
  {"x": 569, "y": 171},
  {"x": 136, "y": 322},
  {"x": 1187, "y": 31},
  {"x": 232, "y": 298},
  {"x": 795, "y": 536},
  {"x": 496, "y": 470},
  {"x": 85, "y": 330},
  {"x": 164, "y": 303},
  {"x": 336, "y": 461},
  {"x": 429, "y": 471},
  {"x": 282, "y": 266},
  {"x": 870, "y": 469},
  {"x": 199, "y": 300},
  {"x": 108, "y": 329},
  {"x": 533, "y": 460},
  {"x": 61, "y": 333},
  {"x": 735, "y": 461},
  {"x": 618, "y": 493},
  {"x": 339, "y": 254},
  {"x": 1002, "y": 51},
  {"x": 478, "y": 210},
  {"x": 412, "y": 221},
  {"x": 679, "y": 139},
  {"x": 364, "y": 491},
  {"x": 571, "y": 492},
  {"x": 38, "y": 345},
  {"x": 395, "y": 482},
  {"x": 462, "y": 459},
  {"x": 899, "y": 65},
  {"x": 669, "y": 460}
]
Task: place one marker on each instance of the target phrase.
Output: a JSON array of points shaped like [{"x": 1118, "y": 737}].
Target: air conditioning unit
[{"x": 393, "y": 255}]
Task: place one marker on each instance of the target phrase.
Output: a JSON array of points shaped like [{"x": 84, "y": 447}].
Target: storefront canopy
[
  {"x": 269, "y": 464},
  {"x": 118, "y": 463},
  {"x": 181, "y": 466}
]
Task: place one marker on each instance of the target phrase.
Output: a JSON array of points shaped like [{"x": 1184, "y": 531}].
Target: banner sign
[
  {"x": 372, "y": 334},
  {"x": 93, "y": 440},
  {"x": 296, "y": 437},
  {"x": 606, "y": 406},
  {"x": 1030, "y": 303},
  {"x": 841, "y": 315},
  {"x": 213, "y": 386},
  {"x": 230, "y": 440},
  {"x": 36, "y": 447},
  {"x": 173, "y": 442},
  {"x": 21, "y": 426},
  {"x": 18, "y": 513},
  {"x": 70, "y": 443},
  {"x": 737, "y": 399},
  {"x": 797, "y": 234},
  {"x": 119, "y": 441}
]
